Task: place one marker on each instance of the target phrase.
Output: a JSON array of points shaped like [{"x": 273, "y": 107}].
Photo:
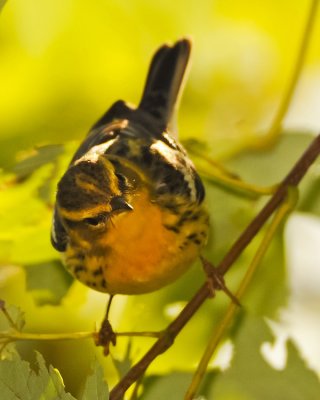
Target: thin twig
[
  {"x": 140, "y": 334},
  {"x": 15, "y": 335},
  {"x": 165, "y": 341}
]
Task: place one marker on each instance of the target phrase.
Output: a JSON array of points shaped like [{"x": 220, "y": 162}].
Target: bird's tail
[{"x": 165, "y": 80}]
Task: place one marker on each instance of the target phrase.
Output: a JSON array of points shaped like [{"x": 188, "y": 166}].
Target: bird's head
[{"x": 90, "y": 194}]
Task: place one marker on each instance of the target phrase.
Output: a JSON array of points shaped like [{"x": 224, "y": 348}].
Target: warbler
[{"x": 129, "y": 214}]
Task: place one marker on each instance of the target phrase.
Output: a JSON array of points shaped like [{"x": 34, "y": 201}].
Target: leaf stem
[
  {"x": 221, "y": 176},
  {"x": 237, "y": 185}
]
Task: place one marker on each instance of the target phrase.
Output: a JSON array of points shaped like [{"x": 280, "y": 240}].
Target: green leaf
[
  {"x": 44, "y": 290},
  {"x": 25, "y": 222},
  {"x": 95, "y": 386},
  {"x": 15, "y": 315},
  {"x": 271, "y": 165},
  {"x": 39, "y": 156},
  {"x": 309, "y": 196},
  {"x": 250, "y": 377},
  {"x": 19, "y": 382},
  {"x": 171, "y": 386},
  {"x": 271, "y": 273}
]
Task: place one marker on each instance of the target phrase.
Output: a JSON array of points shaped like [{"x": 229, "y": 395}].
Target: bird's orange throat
[{"x": 137, "y": 253}]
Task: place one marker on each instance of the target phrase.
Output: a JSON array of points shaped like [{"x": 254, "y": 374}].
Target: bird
[{"x": 130, "y": 216}]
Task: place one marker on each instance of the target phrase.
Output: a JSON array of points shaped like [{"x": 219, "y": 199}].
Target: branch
[{"x": 164, "y": 342}]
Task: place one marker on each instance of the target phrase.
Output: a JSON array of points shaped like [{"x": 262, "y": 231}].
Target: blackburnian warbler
[{"x": 129, "y": 214}]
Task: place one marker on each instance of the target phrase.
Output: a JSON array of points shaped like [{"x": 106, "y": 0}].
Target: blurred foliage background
[{"x": 62, "y": 64}]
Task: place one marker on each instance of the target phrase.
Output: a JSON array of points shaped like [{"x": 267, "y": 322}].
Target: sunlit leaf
[{"x": 18, "y": 381}]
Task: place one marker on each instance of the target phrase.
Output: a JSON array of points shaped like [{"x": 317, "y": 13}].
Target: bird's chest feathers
[
  {"x": 140, "y": 251},
  {"x": 138, "y": 244}
]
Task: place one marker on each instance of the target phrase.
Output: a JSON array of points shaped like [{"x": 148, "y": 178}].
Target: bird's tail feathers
[{"x": 165, "y": 81}]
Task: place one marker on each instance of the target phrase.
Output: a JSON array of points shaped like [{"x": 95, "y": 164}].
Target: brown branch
[{"x": 163, "y": 343}]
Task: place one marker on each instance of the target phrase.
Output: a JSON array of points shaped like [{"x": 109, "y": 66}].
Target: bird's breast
[{"x": 144, "y": 249}]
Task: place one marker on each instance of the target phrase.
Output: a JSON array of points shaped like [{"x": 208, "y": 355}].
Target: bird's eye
[{"x": 95, "y": 221}]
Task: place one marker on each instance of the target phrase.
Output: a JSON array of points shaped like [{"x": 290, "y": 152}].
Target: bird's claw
[
  {"x": 216, "y": 281},
  {"x": 106, "y": 336}
]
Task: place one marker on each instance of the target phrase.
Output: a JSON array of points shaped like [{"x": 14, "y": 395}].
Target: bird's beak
[{"x": 119, "y": 204}]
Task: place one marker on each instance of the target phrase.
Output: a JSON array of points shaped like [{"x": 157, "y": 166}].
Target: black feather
[
  {"x": 164, "y": 81},
  {"x": 97, "y": 135},
  {"x": 158, "y": 102},
  {"x": 59, "y": 236}
]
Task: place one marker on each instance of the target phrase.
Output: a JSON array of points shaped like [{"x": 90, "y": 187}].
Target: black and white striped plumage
[{"x": 131, "y": 188}]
